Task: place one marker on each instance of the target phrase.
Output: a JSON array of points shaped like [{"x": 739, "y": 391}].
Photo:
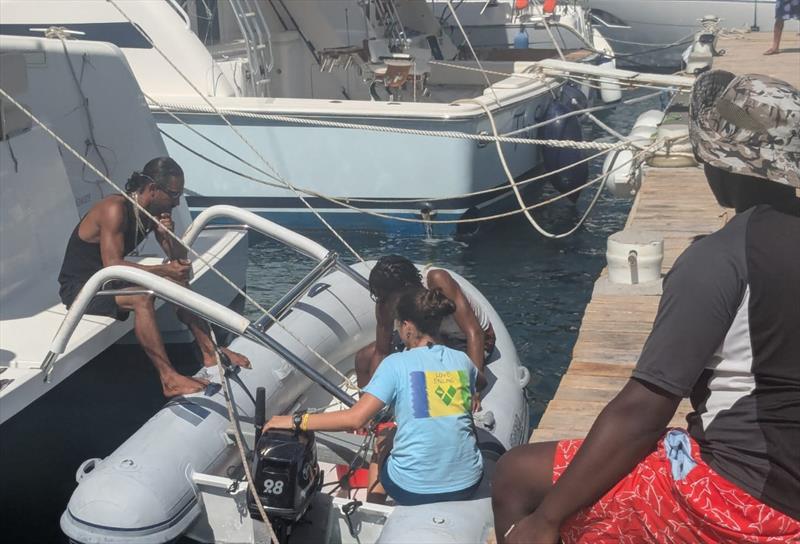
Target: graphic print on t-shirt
[{"x": 437, "y": 394}]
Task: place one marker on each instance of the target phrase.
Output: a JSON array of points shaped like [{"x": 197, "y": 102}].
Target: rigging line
[
  {"x": 84, "y": 103},
  {"x": 664, "y": 45},
  {"x": 528, "y": 74},
  {"x": 596, "y": 83},
  {"x": 623, "y": 56},
  {"x": 233, "y": 417},
  {"x": 469, "y": 44},
  {"x": 341, "y": 200},
  {"x": 552, "y": 39},
  {"x": 574, "y": 113},
  {"x": 668, "y": 144},
  {"x": 192, "y": 108},
  {"x": 238, "y": 133},
  {"x": 174, "y": 236},
  {"x": 528, "y": 216}
]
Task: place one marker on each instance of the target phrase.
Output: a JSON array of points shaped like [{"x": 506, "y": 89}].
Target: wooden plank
[{"x": 590, "y": 368}]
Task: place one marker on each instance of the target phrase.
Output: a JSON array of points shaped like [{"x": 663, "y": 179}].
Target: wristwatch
[{"x": 297, "y": 419}]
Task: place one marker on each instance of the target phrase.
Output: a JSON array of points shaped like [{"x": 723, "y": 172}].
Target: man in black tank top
[
  {"x": 726, "y": 336},
  {"x": 112, "y": 229}
]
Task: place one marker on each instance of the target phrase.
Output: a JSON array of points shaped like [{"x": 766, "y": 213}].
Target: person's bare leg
[
  {"x": 363, "y": 364},
  {"x": 522, "y": 478},
  {"x": 202, "y": 335},
  {"x": 146, "y": 330},
  {"x": 777, "y": 31},
  {"x": 383, "y": 445}
]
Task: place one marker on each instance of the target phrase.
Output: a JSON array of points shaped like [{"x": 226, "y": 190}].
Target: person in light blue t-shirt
[{"x": 435, "y": 455}]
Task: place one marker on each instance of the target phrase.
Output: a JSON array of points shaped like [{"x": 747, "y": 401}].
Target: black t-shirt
[{"x": 727, "y": 335}]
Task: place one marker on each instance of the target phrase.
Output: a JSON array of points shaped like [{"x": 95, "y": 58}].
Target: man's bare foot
[
  {"x": 177, "y": 384},
  {"x": 237, "y": 358},
  {"x": 772, "y": 51}
]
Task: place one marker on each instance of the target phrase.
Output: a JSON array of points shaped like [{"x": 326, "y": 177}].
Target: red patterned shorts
[{"x": 649, "y": 506}]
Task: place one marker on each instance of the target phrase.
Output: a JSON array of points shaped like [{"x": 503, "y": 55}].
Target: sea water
[{"x": 539, "y": 288}]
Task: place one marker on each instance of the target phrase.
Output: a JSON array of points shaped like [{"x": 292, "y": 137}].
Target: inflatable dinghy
[{"x": 181, "y": 472}]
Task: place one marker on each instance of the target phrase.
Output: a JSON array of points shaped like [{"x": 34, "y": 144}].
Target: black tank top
[{"x": 82, "y": 259}]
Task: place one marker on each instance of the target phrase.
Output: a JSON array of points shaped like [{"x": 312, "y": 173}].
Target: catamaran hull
[{"x": 148, "y": 490}]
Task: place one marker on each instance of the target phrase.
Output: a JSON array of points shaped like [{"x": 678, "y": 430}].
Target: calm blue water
[{"x": 539, "y": 287}]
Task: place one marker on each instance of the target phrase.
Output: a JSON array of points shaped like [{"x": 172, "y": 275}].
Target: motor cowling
[{"x": 286, "y": 474}]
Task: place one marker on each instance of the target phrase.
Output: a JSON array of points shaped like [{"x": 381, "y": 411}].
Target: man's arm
[
  {"x": 464, "y": 316},
  {"x": 111, "y": 223},
  {"x": 343, "y": 420},
  {"x": 624, "y": 433},
  {"x": 171, "y": 247},
  {"x": 383, "y": 332}
]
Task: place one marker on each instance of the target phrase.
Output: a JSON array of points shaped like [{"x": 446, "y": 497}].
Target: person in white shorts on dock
[{"x": 784, "y": 11}]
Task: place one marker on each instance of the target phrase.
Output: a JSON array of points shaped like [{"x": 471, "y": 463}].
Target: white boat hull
[
  {"x": 359, "y": 167},
  {"x": 657, "y": 22}
]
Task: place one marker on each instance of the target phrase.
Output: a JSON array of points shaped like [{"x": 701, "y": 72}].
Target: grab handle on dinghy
[
  {"x": 161, "y": 287},
  {"x": 85, "y": 468},
  {"x": 255, "y": 334},
  {"x": 300, "y": 243},
  {"x": 288, "y": 237}
]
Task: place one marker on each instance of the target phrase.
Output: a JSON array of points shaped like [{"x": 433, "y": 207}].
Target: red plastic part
[{"x": 358, "y": 480}]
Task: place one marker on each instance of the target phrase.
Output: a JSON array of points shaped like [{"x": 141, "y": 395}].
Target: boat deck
[{"x": 677, "y": 203}]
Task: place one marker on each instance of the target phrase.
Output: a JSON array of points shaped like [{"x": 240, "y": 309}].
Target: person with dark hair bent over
[
  {"x": 467, "y": 329},
  {"x": 112, "y": 229},
  {"x": 434, "y": 456},
  {"x": 727, "y": 336}
]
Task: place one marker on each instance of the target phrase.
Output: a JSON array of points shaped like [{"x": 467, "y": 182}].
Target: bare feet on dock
[
  {"x": 772, "y": 51},
  {"x": 237, "y": 358},
  {"x": 177, "y": 384}
]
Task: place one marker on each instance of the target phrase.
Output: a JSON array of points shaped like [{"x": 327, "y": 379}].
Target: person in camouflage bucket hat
[
  {"x": 748, "y": 125},
  {"x": 725, "y": 337}
]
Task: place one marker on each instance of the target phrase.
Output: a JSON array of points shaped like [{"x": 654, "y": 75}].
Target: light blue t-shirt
[{"x": 430, "y": 390}]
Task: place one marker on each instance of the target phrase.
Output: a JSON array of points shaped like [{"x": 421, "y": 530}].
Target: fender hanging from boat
[{"x": 569, "y": 128}]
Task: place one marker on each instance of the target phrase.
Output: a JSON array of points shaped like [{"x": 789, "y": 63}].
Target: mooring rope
[{"x": 227, "y": 394}]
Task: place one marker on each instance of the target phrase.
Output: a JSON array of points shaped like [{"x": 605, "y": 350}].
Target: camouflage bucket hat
[{"x": 747, "y": 125}]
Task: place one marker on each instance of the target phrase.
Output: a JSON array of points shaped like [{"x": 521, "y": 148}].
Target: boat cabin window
[
  {"x": 14, "y": 80},
  {"x": 123, "y": 35}
]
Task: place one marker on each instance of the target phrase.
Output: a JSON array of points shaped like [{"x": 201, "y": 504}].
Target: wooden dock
[{"x": 677, "y": 203}]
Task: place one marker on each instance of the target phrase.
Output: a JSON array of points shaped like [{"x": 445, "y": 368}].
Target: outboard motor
[
  {"x": 286, "y": 476},
  {"x": 285, "y": 472},
  {"x": 571, "y": 99}
]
